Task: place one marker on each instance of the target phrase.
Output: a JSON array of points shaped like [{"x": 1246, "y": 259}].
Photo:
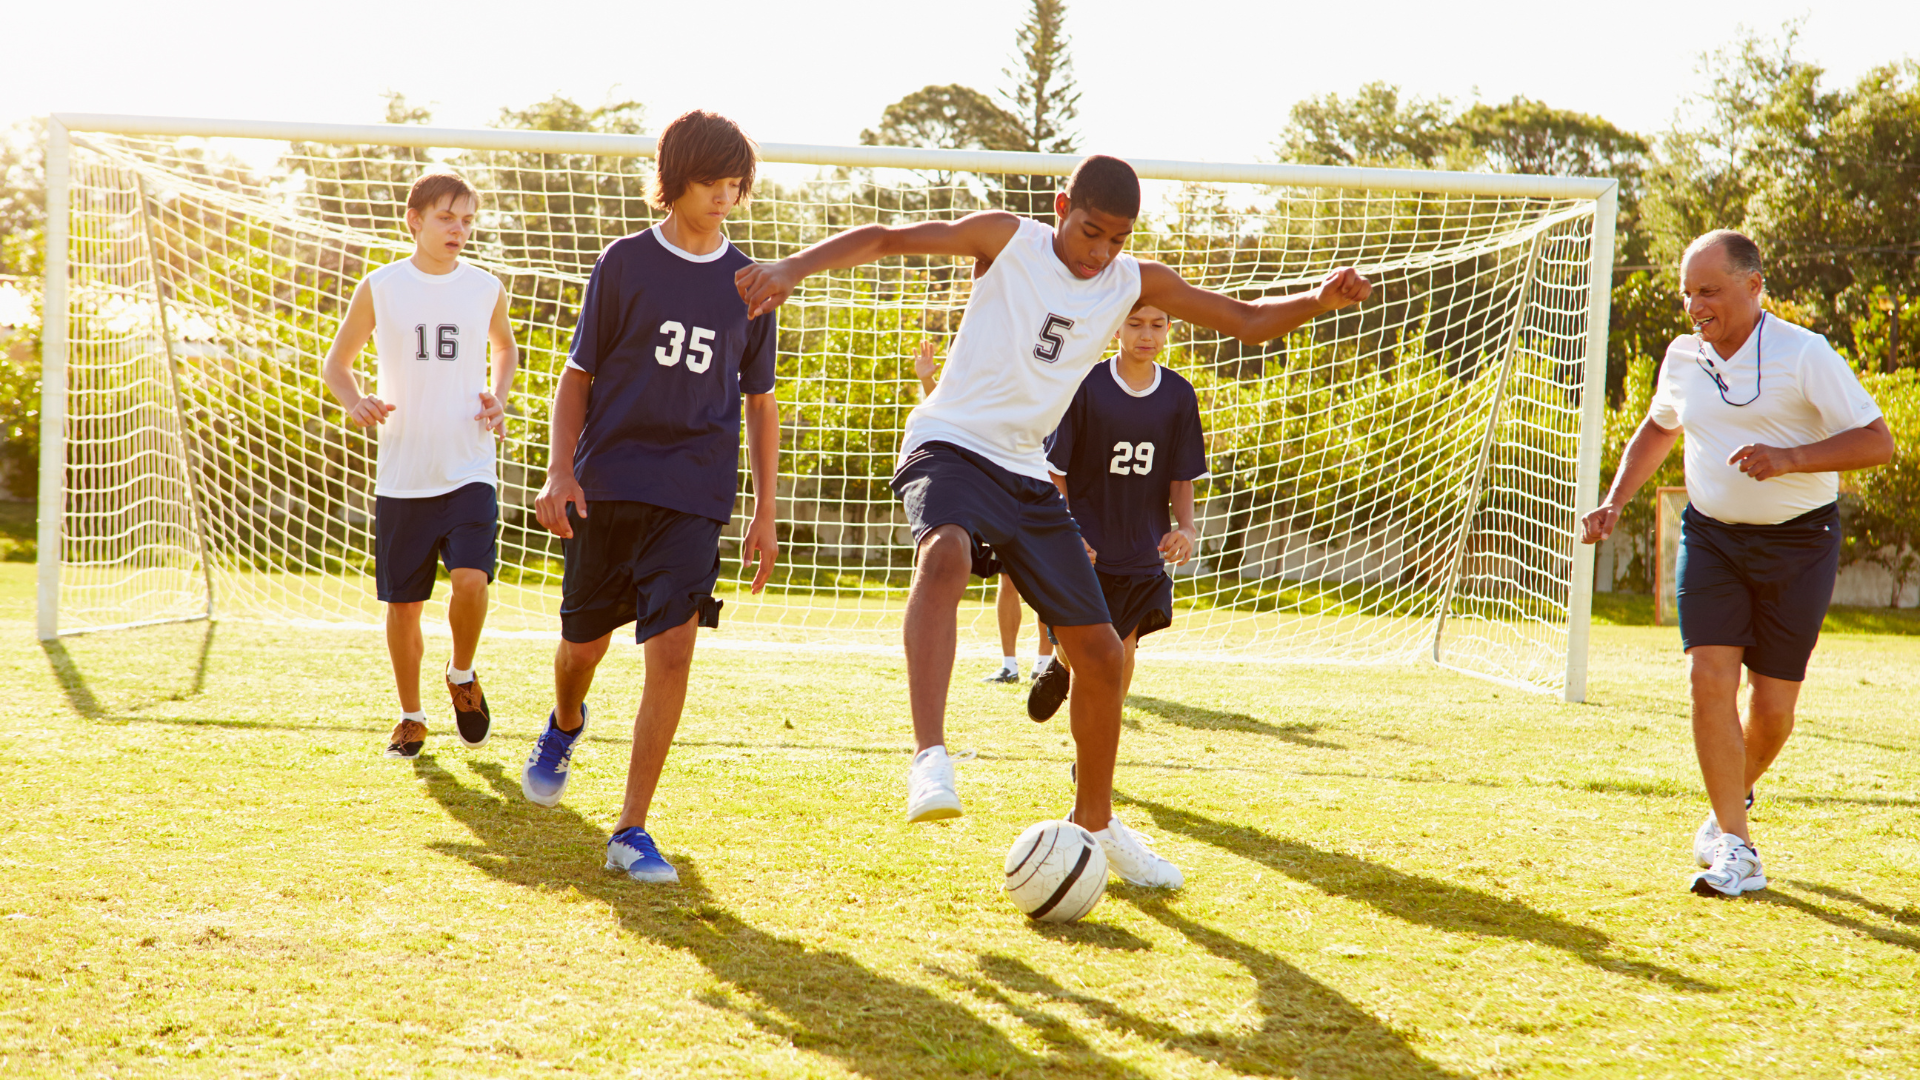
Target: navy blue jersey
[
  {"x": 666, "y": 338},
  {"x": 1121, "y": 450}
]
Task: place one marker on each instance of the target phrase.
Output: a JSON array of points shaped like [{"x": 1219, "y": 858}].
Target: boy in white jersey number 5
[
  {"x": 973, "y": 472},
  {"x": 439, "y": 412}
]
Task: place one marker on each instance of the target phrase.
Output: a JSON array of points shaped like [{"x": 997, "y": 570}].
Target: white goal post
[{"x": 1396, "y": 482}]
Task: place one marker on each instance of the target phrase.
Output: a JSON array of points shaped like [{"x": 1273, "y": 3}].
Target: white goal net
[{"x": 1394, "y": 482}]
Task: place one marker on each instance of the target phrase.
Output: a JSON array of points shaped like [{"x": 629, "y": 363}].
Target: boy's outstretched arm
[
  {"x": 763, "y": 460},
  {"x": 765, "y": 286},
  {"x": 337, "y": 369},
  {"x": 1253, "y": 323}
]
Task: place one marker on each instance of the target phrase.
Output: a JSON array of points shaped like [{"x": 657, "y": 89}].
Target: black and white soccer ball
[{"x": 1056, "y": 872}]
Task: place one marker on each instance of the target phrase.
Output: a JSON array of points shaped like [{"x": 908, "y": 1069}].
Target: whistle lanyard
[{"x": 1700, "y": 357}]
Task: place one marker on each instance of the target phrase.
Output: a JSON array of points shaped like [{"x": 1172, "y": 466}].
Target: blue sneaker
[
  {"x": 545, "y": 776},
  {"x": 632, "y": 850}
]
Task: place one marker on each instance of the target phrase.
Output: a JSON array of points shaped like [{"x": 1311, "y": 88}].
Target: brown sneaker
[
  {"x": 409, "y": 737},
  {"x": 470, "y": 714}
]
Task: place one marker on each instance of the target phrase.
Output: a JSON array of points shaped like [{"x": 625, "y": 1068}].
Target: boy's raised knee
[
  {"x": 945, "y": 556},
  {"x": 468, "y": 582}
]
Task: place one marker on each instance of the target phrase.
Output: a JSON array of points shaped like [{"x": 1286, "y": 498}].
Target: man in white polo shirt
[{"x": 1773, "y": 415}]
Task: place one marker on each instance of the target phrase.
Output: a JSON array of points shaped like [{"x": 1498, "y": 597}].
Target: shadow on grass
[
  {"x": 1425, "y": 901},
  {"x": 1305, "y": 1027},
  {"x": 819, "y": 1000},
  {"x": 1897, "y": 938},
  {"x": 80, "y": 695},
  {"x": 1194, "y": 716}
]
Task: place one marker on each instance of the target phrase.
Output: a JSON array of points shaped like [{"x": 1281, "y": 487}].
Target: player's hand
[
  {"x": 1764, "y": 462},
  {"x": 1598, "y": 523},
  {"x": 1177, "y": 546},
  {"x": 762, "y": 539},
  {"x": 492, "y": 415},
  {"x": 925, "y": 364},
  {"x": 764, "y": 286},
  {"x": 1092, "y": 555},
  {"x": 1342, "y": 288},
  {"x": 550, "y": 506},
  {"x": 369, "y": 411}
]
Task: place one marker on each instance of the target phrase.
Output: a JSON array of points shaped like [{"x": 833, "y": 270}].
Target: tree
[
  {"x": 1043, "y": 100},
  {"x": 1883, "y": 509},
  {"x": 951, "y": 117},
  {"x": 23, "y": 198},
  {"x": 1373, "y": 127}
]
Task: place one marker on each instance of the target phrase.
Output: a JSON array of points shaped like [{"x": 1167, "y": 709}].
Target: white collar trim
[
  {"x": 688, "y": 255},
  {"x": 1113, "y": 369}
]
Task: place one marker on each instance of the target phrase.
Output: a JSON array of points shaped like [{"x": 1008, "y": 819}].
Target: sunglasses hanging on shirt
[{"x": 1700, "y": 357}]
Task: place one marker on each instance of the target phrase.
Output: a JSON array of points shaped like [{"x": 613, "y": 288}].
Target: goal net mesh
[{"x": 1391, "y": 482}]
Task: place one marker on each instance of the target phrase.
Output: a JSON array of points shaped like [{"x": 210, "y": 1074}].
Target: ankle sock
[
  {"x": 418, "y": 716},
  {"x": 458, "y": 677},
  {"x": 1042, "y": 664},
  {"x": 1010, "y": 663}
]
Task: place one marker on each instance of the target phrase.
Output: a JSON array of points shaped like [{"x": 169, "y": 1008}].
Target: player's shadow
[
  {"x": 1194, "y": 716},
  {"x": 1414, "y": 898},
  {"x": 80, "y": 695},
  {"x": 1306, "y": 1027},
  {"x": 1897, "y": 938},
  {"x": 819, "y": 1000}
]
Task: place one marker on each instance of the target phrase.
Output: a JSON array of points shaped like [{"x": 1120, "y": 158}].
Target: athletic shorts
[
  {"x": 1764, "y": 588},
  {"x": 633, "y": 562},
  {"x": 460, "y": 528},
  {"x": 1019, "y": 526},
  {"x": 1139, "y": 603}
]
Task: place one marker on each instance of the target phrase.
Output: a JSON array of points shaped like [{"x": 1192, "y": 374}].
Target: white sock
[
  {"x": 458, "y": 677},
  {"x": 1042, "y": 664},
  {"x": 418, "y": 716},
  {"x": 1010, "y": 663}
]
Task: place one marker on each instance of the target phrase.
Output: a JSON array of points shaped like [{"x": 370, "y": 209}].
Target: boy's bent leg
[
  {"x": 940, "y": 570},
  {"x": 405, "y": 647},
  {"x": 574, "y": 663},
  {"x": 669, "y": 657},
  {"x": 467, "y": 614},
  {"x": 1093, "y": 711}
]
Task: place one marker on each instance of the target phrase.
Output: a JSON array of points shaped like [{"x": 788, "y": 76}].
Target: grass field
[{"x": 206, "y": 869}]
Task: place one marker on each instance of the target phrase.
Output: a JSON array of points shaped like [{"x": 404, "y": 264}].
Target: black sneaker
[
  {"x": 1002, "y": 675},
  {"x": 1049, "y": 690},
  {"x": 470, "y": 714},
  {"x": 408, "y": 739}
]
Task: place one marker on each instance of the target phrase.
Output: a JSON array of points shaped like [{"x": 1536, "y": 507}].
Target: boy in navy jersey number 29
[
  {"x": 644, "y": 464},
  {"x": 1128, "y": 447}
]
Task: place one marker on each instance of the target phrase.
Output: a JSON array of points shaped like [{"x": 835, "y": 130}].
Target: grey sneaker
[{"x": 1735, "y": 870}]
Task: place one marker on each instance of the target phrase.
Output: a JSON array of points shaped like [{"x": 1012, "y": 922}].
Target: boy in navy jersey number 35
[
  {"x": 644, "y": 464},
  {"x": 1129, "y": 447}
]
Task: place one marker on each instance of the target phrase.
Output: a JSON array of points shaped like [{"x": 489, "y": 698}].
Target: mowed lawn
[{"x": 207, "y": 869}]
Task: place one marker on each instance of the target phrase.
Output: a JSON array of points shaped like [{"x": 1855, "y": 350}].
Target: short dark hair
[
  {"x": 1743, "y": 255},
  {"x": 700, "y": 147},
  {"x": 431, "y": 187},
  {"x": 1104, "y": 183}
]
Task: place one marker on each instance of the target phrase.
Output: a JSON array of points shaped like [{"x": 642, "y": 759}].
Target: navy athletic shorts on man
[
  {"x": 410, "y": 535},
  {"x": 633, "y": 562},
  {"x": 1023, "y": 521},
  {"x": 1764, "y": 588},
  {"x": 1138, "y": 603}
]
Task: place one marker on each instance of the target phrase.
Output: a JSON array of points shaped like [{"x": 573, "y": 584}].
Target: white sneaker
[
  {"x": 1735, "y": 870},
  {"x": 930, "y": 794},
  {"x": 1704, "y": 840},
  {"x": 1130, "y": 856}
]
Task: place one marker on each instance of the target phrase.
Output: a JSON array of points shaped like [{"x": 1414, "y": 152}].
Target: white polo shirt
[{"x": 1806, "y": 393}]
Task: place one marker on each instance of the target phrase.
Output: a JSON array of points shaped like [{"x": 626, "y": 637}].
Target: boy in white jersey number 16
[
  {"x": 438, "y": 410},
  {"x": 973, "y": 471}
]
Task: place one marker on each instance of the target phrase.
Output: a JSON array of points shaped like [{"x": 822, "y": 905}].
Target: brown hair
[
  {"x": 700, "y": 147},
  {"x": 431, "y": 187}
]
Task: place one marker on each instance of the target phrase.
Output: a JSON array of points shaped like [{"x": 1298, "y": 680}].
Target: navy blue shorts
[
  {"x": 409, "y": 535},
  {"x": 1139, "y": 603},
  {"x": 1764, "y": 588},
  {"x": 1017, "y": 522},
  {"x": 633, "y": 562}
]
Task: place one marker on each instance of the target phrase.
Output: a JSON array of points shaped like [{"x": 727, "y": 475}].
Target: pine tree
[{"x": 1043, "y": 99}]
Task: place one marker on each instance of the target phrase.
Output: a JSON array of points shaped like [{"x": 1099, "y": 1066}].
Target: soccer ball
[{"x": 1056, "y": 872}]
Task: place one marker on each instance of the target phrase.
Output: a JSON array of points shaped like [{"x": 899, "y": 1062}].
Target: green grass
[
  {"x": 17, "y": 525},
  {"x": 206, "y": 870}
]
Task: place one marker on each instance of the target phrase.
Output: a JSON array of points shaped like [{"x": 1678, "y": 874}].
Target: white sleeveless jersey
[
  {"x": 430, "y": 332},
  {"x": 1031, "y": 332}
]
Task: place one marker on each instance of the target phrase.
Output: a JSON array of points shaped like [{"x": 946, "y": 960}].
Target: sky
[{"x": 1208, "y": 80}]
